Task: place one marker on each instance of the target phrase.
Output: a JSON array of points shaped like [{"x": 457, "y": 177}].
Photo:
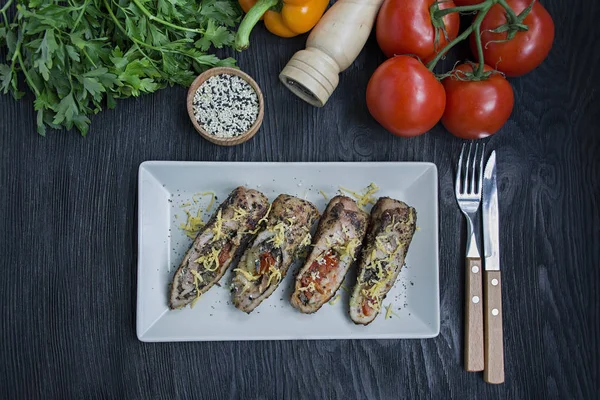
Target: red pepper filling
[
  {"x": 224, "y": 254},
  {"x": 323, "y": 266},
  {"x": 266, "y": 262}
]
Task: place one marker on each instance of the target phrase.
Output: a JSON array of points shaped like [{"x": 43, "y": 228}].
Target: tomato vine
[{"x": 514, "y": 24}]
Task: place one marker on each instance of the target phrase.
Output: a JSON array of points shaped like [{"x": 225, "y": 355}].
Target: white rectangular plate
[{"x": 167, "y": 188}]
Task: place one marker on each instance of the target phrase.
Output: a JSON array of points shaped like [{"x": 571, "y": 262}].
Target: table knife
[{"x": 493, "y": 340}]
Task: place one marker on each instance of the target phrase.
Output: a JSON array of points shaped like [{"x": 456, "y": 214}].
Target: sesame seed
[{"x": 225, "y": 105}]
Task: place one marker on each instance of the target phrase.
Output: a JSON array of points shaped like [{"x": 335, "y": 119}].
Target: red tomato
[
  {"x": 476, "y": 109},
  {"x": 527, "y": 49},
  {"x": 405, "y": 97},
  {"x": 405, "y": 27}
]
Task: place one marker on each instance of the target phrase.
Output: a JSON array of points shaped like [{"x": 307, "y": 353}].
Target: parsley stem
[
  {"x": 3, "y": 12},
  {"x": 27, "y": 76},
  {"x": 136, "y": 40},
  {"x": 3, "y": 9},
  {"x": 83, "y": 10},
  {"x": 124, "y": 31},
  {"x": 152, "y": 17}
]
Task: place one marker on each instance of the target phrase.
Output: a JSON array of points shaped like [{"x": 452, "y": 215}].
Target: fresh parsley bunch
[{"x": 74, "y": 55}]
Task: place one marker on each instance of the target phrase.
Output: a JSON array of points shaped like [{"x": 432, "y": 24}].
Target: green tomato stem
[
  {"x": 475, "y": 27},
  {"x": 477, "y": 33},
  {"x": 462, "y": 9},
  {"x": 512, "y": 17},
  {"x": 242, "y": 38}
]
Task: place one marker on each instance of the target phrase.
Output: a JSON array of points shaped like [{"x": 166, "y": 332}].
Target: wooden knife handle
[
  {"x": 473, "y": 316},
  {"x": 494, "y": 344}
]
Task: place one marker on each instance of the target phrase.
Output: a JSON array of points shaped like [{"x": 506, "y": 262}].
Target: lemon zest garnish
[
  {"x": 364, "y": 198},
  {"x": 324, "y": 195},
  {"x": 247, "y": 275},
  {"x": 334, "y": 300},
  {"x": 185, "y": 205}
]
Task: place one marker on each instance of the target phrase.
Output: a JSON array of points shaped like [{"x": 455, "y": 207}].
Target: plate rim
[{"x": 143, "y": 168}]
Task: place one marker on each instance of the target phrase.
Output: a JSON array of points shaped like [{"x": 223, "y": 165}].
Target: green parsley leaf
[{"x": 78, "y": 57}]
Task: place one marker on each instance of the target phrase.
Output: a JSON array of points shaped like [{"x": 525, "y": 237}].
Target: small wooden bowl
[{"x": 215, "y": 139}]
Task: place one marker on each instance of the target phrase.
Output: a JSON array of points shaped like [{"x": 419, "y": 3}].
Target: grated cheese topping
[
  {"x": 334, "y": 300},
  {"x": 279, "y": 238},
  {"x": 197, "y": 278},
  {"x": 274, "y": 273},
  {"x": 210, "y": 259},
  {"x": 218, "y": 228},
  {"x": 349, "y": 250},
  {"x": 193, "y": 224},
  {"x": 250, "y": 277},
  {"x": 197, "y": 196},
  {"x": 260, "y": 221},
  {"x": 365, "y": 198},
  {"x": 307, "y": 240},
  {"x": 311, "y": 287}
]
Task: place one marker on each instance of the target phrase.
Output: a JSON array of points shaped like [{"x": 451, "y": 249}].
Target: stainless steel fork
[{"x": 468, "y": 195}]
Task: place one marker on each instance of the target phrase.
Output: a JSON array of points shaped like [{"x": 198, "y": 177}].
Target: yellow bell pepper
[{"x": 284, "y": 18}]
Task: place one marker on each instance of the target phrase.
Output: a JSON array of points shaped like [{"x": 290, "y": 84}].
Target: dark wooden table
[{"x": 68, "y": 242}]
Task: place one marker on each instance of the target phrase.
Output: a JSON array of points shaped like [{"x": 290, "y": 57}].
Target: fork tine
[
  {"x": 468, "y": 185},
  {"x": 474, "y": 186},
  {"x": 458, "y": 182},
  {"x": 480, "y": 184}
]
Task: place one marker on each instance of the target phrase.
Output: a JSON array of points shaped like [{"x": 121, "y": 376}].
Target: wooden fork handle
[
  {"x": 473, "y": 316},
  {"x": 494, "y": 343}
]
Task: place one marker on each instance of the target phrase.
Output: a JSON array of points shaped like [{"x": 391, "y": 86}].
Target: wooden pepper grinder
[{"x": 334, "y": 44}]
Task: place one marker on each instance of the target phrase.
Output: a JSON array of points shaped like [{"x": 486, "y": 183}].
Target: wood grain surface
[{"x": 68, "y": 240}]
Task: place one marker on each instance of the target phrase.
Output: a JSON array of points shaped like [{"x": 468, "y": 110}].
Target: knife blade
[
  {"x": 493, "y": 371},
  {"x": 491, "y": 241}
]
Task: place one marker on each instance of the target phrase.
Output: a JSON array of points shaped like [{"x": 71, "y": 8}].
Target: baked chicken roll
[
  {"x": 278, "y": 245},
  {"x": 223, "y": 238},
  {"x": 337, "y": 243},
  {"x": 391, "y": 230}
]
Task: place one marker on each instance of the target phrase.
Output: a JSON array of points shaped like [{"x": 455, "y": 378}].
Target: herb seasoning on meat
[{"x": 225, "y": 105}]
